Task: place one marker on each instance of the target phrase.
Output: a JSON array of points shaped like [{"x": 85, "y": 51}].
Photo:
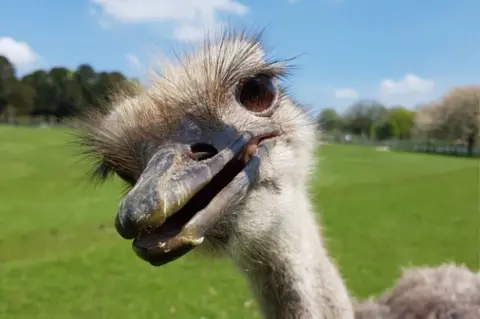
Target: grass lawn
[{"x": 61, "y": 258}]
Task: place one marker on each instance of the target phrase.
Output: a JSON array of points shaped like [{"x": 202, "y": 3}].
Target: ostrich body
[
  {"x": 447, "y": 291},
  {"x": 217, "y": 154}
]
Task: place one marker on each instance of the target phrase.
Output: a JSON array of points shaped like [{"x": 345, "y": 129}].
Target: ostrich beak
[{"x": 177, "y": 200}]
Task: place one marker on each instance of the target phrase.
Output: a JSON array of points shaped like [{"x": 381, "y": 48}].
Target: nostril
[{"x": 202, "y": 151}]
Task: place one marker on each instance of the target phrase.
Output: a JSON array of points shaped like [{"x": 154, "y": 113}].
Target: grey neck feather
[{"x": 286, "y": 263}]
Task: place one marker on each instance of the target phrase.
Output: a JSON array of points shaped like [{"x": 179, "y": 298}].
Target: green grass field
[{"x": 61, "y": 258}]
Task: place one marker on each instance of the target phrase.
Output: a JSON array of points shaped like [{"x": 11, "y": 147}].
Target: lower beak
[{"x": 176, "y": 202}]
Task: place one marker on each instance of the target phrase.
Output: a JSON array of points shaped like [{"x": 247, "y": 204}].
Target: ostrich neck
[{"x": 289, "y": 270}]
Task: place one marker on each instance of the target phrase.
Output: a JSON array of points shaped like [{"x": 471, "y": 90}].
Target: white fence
[{"x": 421, "y": 146}]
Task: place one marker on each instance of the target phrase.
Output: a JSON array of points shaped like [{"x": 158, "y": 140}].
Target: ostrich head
[{"x": 212, "y": 142}]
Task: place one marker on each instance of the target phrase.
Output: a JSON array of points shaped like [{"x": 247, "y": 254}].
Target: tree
[
  {"x": 362, "y": 117},
  {"x": 455, "y": 117},
  {"x": 463, "y": 112},
  {"x": 386, "y": 130},
  {"x": 329, "y": 120},
  {"x": 86, "y": 79},
  {"x": 7, "y": 76},
  {"x": 67, "y": 94},
  {"x": 21, "y": 98},
  {"x": 43, "y": 102},
  {"x": 106, "y": 83},
  {"x": 400, "y": 120},
  {"x": 55, "y": 93}
]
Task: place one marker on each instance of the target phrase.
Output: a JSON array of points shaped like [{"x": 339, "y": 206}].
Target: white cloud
[
  {"x": 409, "y": 84},
  {"x": 135, "y": 64},
  {"x": 409, "y": 90},
  {"x": 189, "y": 16},
  {"x": 19, "y": 53},
  {"x": 195, "y": 31},
  {"x": 131, "y": 11},
  {"x": 133, "y": 60},
  {"x": 346, "y": 94},
  {"x": 188, "y": 33}
]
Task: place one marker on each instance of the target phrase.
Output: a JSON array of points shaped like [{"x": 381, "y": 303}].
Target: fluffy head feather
[{"x": 199, "y": 85}]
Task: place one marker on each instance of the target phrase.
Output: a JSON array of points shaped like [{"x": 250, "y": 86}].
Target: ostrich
[
  {"x": 447, "y": 291},
  {"x": 215, "y": 153}
]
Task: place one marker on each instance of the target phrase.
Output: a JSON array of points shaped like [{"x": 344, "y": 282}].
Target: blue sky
[{"x": 397, "y": 51}]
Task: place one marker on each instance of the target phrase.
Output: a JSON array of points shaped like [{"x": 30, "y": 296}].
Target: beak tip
[{"x": 126, "y": 230}]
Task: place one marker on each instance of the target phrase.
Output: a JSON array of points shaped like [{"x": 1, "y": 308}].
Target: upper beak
[{"x": 159, "y": 212}]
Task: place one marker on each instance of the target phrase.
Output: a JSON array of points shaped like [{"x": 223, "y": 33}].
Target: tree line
[
  {"x": 59, "y": 93},
  {"x": 53, "y": 94},
  {"x": 369, "y": 119},
  {"x": 452, "y": 119}
]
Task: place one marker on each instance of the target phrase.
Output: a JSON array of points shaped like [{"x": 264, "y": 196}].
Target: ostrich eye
[{"x": 257, "y": 94}]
